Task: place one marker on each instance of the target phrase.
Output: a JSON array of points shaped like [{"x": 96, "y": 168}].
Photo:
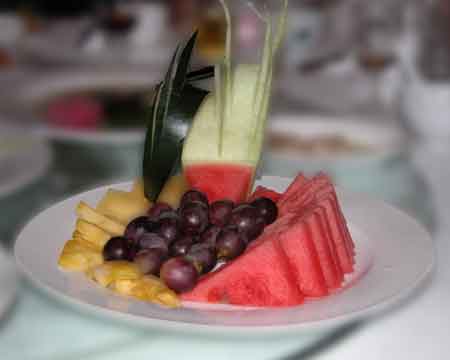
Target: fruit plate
[{"x": 394, "y": 256}]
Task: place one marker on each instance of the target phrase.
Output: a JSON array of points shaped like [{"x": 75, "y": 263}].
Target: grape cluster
[{"x": 181, "y": 244}]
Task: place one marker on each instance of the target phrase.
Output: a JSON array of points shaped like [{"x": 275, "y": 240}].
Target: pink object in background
[{"x": 75, "y": 112}]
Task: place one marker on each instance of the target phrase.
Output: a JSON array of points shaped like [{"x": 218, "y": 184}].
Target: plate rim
[{"x": 249, "y": 330}]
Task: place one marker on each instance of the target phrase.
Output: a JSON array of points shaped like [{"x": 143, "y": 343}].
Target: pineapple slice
[
  {"x": 138, "y": 188},
  {"x": 91, "y": 233},
  {"x": 122, "y": 206},
  {"x": 86, "y": 213},
  {"x": 111, "y": 271},
  {"x": 158, "y": 292},
  {"x": 79, "y": 256},
  {"x": 173, "y": 190},
  {"x": 167, "y": 298},
  {"x": 149, "y": 288},
  {"x": 125, "y": 286}
]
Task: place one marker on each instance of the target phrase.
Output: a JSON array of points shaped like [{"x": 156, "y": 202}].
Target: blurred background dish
[
  {"x": 94, "y": 119},
  {"x": 322, "y": 89},
  {"x": 361, "y": 153},
  {"x": 24, "y": 162},
  {"x": 117, "y": 33}
]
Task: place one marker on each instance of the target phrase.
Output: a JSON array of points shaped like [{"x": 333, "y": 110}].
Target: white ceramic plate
[
  {"x": 395, "y": 255},
  {"x": 8, "y": 281}
]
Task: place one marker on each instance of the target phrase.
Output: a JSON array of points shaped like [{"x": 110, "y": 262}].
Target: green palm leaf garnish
[{"x": 174, "y": 107}]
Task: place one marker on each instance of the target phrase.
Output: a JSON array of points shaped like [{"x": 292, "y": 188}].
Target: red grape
[
  {"x": 209, "y": 236},
  {"x": 220, "y": 212},
  {"x": 182, "y": 246},
  {"x": 139, "y": 226},
  {"x": 203, "y": 257},
  {"x": 153, "y": 241},
  {"x": 194, "y": 218},
  {"x": 179, "y": 274},
  {"x": 169, "y": 229},
  {"x": 247, "y": 220},
  {"x": 193, "y": 196},
  {"x": 267, "y": 209},
  {"x": 117, "y": 248},
  {"x": 149, "y": 261},
  {"x": 230, "y": 244},
  {"x": 158, "y": 209}
]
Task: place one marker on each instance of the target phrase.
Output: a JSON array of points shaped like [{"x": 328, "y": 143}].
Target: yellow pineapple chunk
[
  {"x": 173, "y": 190},
  {"x": 167, "y": 298},
  {"x": 79, "y": 256},
  {"x": 122, "y": 206},
  {"x": 153, "y": 289},
  {"x": 138, "y": 188},
  {"x": 125, "y": 286},
  {"x": 91, "y": 233},
  {"x": 86, "y": 213},
  {"x": 111, "y": 271}
]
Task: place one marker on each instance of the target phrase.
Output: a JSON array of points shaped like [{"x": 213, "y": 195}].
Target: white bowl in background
[
  {"x": 375, "y": 140},
  {"x": 382, "y": 170},
  {"x": 93, "y": 156}
]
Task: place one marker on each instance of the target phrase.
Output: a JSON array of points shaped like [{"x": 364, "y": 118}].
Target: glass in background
[
  {"x": 380, "y": 30},
  {"x": 426, "y": 90},
  {"x": 434, "y": 57},
  {"x": 310, "y": 25}
]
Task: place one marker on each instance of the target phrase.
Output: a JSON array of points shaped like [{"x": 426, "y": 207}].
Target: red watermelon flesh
[
  {"x": 331, "y": 245},
  {"x": 321, "y": 189},
  {"x": 303, "y": 196},
  {"x": 327, "y": 192},
  {"x": 313, "y": 192},
  {"x": 221, "y": 181},
  {"x": 334, "y": 221},
  {"x": 259, "y": 277},
  {"x": 325, "y": 248},
  {"x": 325, "y": 197},
  {"x": 302, "y": 257},
  {"x": 296, "y": 187},
  {"x": 262, "y": 191}
]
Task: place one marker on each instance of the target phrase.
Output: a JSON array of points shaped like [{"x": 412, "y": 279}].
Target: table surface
[{"x": 41, "y": 328}]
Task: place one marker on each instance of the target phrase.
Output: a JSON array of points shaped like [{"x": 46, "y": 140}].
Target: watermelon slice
[
  {"x": 325, "y": 248},
  {"x": 210, "y": 179},
  {"x": 262, "y": 191},
  {"x": 259, "y": 277},
  {"x": 301, "y": 254},
  {"x": 319, "y": 191}
]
